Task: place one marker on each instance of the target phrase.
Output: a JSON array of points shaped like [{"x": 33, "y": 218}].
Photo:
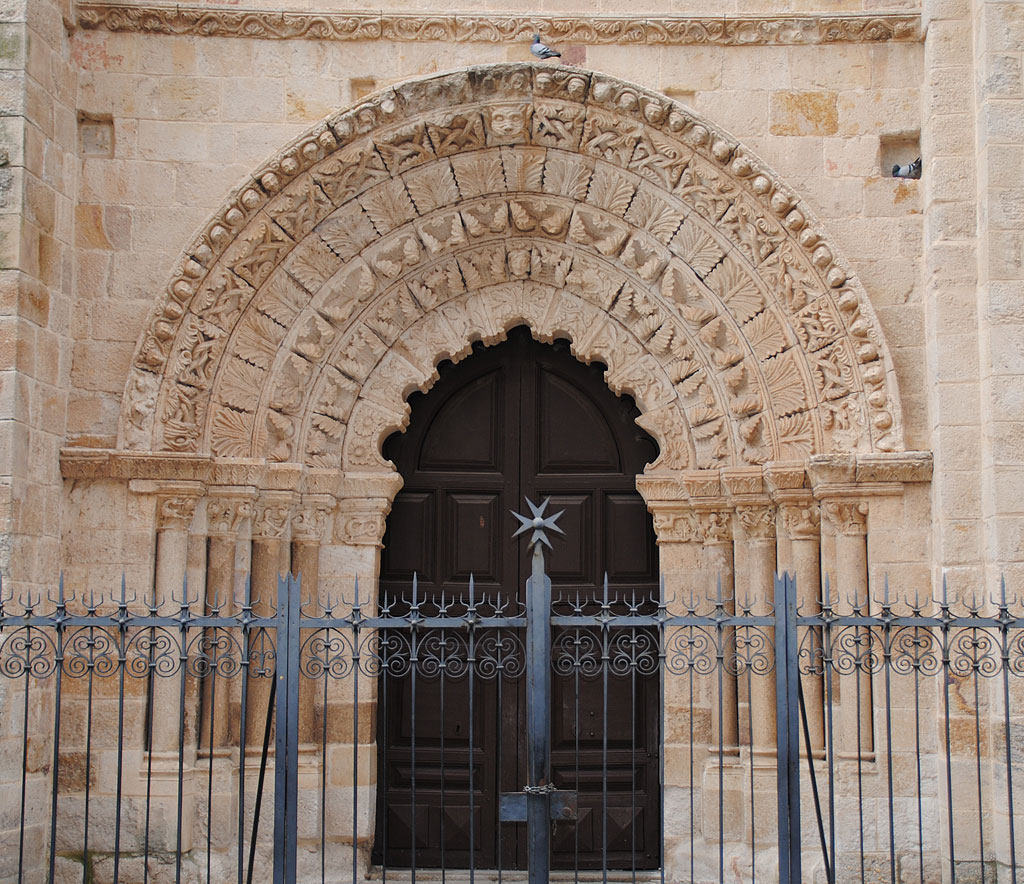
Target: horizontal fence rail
[{"x": 240, "y": 739}]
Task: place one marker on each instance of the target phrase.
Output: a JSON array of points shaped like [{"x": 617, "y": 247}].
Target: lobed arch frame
[{"x": 448, "y": 210}]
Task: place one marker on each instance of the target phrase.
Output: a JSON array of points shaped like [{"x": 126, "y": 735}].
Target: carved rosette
[
  {"x": 802, "y": 520},
  {"x": 449, "y": 210},
  {"x": 846, "y": 518},
  {"x": 757, "y": 521}
]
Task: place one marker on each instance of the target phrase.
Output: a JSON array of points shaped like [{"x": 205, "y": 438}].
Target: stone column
[
  {"x": 847, "y": 520},
  {"x": 270, "y": 523},
  {"x": 226, "y": 509},
  {"x": 176, "y": 506},
  {"x": 308, "y": 525},
  {"x": 757, "y": 523},
  {"x": 715, "y": 532},
  {"x": 801, "y": 520}
]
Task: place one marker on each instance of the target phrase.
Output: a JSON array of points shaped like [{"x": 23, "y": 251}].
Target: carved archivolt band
[
  {"x": 448, "y": 210},
  {"x": 203, "y": 21}
]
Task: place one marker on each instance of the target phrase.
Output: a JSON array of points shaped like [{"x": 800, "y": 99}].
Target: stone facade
[{"x": 235, "y": 241}]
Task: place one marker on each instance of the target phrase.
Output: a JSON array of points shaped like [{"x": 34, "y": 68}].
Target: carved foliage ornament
[
  {"x": 689, "y": 264},
  {"x": 496, "y": 28}
]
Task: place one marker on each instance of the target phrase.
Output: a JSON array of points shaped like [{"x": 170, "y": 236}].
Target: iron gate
[{"x": 207, "y": 741}]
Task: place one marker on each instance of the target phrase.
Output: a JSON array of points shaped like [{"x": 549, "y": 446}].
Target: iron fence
[{"x": 697, "y": 737}]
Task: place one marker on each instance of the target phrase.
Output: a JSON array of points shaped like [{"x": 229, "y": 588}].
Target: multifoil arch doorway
[{"x": 520, "y": 418}]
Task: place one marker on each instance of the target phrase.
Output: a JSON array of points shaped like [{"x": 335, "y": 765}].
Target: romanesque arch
[{"x": 449, "y": 209}]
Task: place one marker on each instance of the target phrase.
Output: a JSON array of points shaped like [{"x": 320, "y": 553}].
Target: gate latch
[{"x": 512, "y": 805}]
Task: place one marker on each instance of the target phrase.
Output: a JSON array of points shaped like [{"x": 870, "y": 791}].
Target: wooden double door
[{"x": 518, "y": 419}]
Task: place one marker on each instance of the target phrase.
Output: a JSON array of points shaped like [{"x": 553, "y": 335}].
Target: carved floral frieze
[
  {"x": 207, "y": 21},
  {"x": 451, "y": 209}
]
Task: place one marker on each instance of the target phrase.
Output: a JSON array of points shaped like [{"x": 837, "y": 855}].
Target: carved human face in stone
[{"x": 507, "y": 123}]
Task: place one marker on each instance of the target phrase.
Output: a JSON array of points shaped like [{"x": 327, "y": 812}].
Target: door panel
[{"x": 518, "y": 419}]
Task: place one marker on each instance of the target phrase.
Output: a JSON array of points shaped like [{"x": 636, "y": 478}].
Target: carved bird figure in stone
[{"x": 541, "y": 50}]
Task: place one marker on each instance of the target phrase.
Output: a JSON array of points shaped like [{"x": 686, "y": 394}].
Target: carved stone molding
[
  {"x": 176, "y": 505},
  {"x": 227, "y": 509},
  {"x": 451, "y": 209},
  {"x": 757, "y": 521},
  {"x": 802, "y": 520},
  {"x": 309, "y": 522},
  {"x": 361, "y": 522},
  {"x": 785, "y": 30},
  {"x": 271, "y": 515},
  {"x": 847, "y": 518}
]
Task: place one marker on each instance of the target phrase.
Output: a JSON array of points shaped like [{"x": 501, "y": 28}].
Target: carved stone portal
[{"x": 451, "y": 209}]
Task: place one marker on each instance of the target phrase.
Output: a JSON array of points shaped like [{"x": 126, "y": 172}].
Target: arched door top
[{"x": 450, "y": 209}]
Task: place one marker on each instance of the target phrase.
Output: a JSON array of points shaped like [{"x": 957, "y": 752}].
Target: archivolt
[{"x": 449, "y": 209}]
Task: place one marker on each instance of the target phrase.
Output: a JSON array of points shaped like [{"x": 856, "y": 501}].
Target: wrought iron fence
[{"x": 838, "y": 740}]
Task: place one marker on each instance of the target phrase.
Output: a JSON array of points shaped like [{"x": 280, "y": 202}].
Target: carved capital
[
  {"x": 801, "y": 520},
  {"x": 674, "y": 525},
  {"x": 226, "y": 511},
  {"x": 271, "y": 514},
  {"x": 310, "y": 519},
  {"x": 361, "y": 522},
  {"x": 848, "y": 518},
  {"x": 714, "y": 526},
  {"x": 757, "y": 521},
  {"x": 174, "y": 512}
]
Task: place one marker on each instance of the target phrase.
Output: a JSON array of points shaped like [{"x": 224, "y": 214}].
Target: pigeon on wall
[
  {"x": 912, "y": 170},
  {"x": 543, "y": 51}
]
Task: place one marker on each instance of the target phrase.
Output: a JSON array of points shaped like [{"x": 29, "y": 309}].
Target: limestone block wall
[{"x": 192, "y": 116}]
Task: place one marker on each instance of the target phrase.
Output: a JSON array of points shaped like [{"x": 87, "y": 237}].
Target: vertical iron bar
[
  {"x": 59, "y": 665},
  {"x": 355, "y": 732},
  {"x": 605, "y": 660},
  {"x": 183, "y": 663},
  {"x": 292, "y": 588},
  {"x": 383, "y": 729},
  {"x": 242, "y": 735},
  {"x": 977, "y": 757},
  {"x": 24, "y": 761},
  {"x": 720, "y": 652},
  {"x": 444, "y": 663},
  {"x": 122, "y": 662},
  {"x": 1004, "y": 616},
  {"x": 661, "y": 729},
  {"x": 413, "y": 665},
  {"x": 88, "y": 747},
  {"x": 538, "y": 711},
  {"x": 576, "y": 764},
  {"x": 826, "y": 659},
  {"x": 323, "y": 762},
  {"x": 860, "y": 759},
  {"x": 258, "y": 802},
  {"x": 917, "y": 760},
  {"x": 471, "y": 662},
  {"x": 211, "y": 674},
  {"x": 689, "y": 671},
  {"x": 750, "y": 737},
  {"x": 787, "y": 705},
  {"x": 632, "y": 752},
  {"x": 944, "y": 607},
  {"x": 887, "y": 664},
  {"x": 150, "y": 678},
  {"x": 500, "y": 679}
]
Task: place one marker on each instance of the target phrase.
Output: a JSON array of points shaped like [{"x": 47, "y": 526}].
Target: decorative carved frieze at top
[
  {"x": 757, "y": 521},
  {"x": 848, "y": 518},
  {"x": 802, "y": 520},
  {"x": 446, "y": 27}
]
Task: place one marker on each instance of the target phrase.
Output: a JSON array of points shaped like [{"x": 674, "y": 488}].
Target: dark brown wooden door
[{"x": 520, "y": 418}]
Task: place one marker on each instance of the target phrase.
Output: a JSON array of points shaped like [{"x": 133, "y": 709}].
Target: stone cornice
[{"x": 497, "y": 27}]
